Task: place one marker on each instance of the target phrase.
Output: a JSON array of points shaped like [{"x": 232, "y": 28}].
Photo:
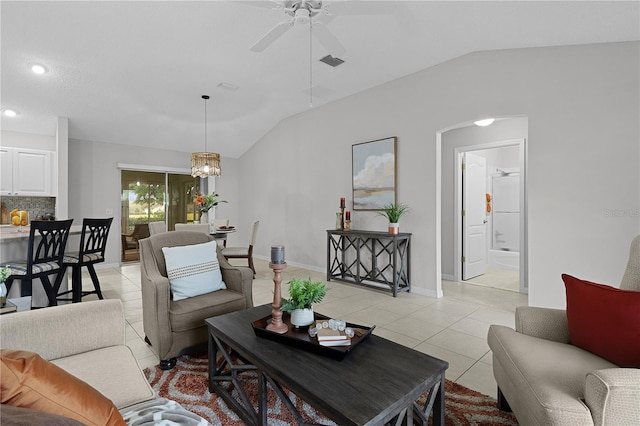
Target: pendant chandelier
[{"x": 204, "y": 164}]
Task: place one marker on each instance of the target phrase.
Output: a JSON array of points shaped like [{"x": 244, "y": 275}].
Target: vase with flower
[{"x": 204, "y": 203}]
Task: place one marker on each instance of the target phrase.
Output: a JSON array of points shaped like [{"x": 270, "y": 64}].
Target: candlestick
[
  {"x": 342, "y": 218},
  {"x": 277, "y": 254},
  {"x": 347, "y": 225},
  {"x": 276, "y": 324}
]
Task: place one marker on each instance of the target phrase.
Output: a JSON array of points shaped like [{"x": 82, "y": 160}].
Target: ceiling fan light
[
  {"x": 485, "y": 122},
  {"x": 302, "y": 16}
]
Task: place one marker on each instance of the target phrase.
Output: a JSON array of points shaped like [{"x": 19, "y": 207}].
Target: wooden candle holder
[{"x": 276, "y": 325}]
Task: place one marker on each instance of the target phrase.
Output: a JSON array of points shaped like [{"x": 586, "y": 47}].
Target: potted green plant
[
  {"x": 393, "y": 212},
  {"x": 302, "y": 295},
  {"x": 4, "y": 274}
]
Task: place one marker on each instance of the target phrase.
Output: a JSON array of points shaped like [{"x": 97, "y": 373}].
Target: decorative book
[
  {"x": 346, "y": 342},
  {"x": 329, "y": 334}
]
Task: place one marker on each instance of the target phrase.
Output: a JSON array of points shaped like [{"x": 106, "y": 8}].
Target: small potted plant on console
[
  {"x": 302, "y": 295},
  {"x": 393, "y": 212}
]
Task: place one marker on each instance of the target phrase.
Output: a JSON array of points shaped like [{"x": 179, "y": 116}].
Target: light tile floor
[
  {"x": 498, "y": 278},
  {"x": 453, "y": 328}
]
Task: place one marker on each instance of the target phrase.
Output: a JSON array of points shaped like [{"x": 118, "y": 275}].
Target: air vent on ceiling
[
  {"x": 330, "y": 60},
  {"x": 228, "y": 86}
]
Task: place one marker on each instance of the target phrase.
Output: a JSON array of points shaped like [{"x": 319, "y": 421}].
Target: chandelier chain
[{"x": 310, "y": 64}]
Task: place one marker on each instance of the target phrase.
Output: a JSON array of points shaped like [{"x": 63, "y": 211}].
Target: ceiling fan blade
[
  {"x": 275, "y": 33},
  {"x": 328, "y": 40},
  {"x": 274, "y": 5}
]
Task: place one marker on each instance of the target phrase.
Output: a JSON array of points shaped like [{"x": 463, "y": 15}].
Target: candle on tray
[
  {"x": 348, "y": 215},
  {"x": 277, "y": 254},
  {"x": 341, "y": 202}
]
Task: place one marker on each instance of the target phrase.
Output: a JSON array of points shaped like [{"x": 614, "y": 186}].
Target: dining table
[
  {"x": 221, "y": 234},
  {"x": 14, "y": 246}
]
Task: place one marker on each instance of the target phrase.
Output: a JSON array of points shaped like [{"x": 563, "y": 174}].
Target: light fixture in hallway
[{"x": 485, "y": 122}]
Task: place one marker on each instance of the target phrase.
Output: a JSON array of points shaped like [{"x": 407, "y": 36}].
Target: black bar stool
[
  {"x": 93, "y": 243},
  {"x": 47, "y": 242}
]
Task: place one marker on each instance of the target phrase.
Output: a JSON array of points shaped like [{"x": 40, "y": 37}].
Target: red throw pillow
[
  {"x": 29, "y": 381},
  {"x": 604, "y": 320}
]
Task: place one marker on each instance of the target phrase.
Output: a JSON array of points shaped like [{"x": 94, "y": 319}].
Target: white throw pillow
[{"x": 193, "y": 270}]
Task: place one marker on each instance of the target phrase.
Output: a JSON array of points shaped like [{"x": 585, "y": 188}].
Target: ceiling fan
[{"x": 301, "y": 12}]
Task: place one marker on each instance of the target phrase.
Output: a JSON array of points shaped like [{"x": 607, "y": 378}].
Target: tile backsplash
[{"x": 36, "y": 206}]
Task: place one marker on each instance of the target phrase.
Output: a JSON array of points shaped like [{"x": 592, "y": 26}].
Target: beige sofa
[
  {"x": 171, "y": 326},
  {"x": 85, "y": 339},
  {"x": 545, "y": 380}
]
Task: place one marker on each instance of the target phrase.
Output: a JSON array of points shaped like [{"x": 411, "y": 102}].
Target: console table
[{"x": 370, "y": 258}]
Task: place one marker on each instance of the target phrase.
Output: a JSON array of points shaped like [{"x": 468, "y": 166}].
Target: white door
[{"x": 474, "y": 219}]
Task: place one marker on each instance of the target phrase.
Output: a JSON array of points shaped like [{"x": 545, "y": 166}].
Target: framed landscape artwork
[{"x": 374, "y": 174}]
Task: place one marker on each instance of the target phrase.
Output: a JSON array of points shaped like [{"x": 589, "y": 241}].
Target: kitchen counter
[{"x": 10, "y": 233}]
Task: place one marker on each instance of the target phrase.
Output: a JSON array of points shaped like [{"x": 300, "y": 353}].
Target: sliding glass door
[
  {"x": 182, "y": 190},
  {"x": 153, "y": 197}
]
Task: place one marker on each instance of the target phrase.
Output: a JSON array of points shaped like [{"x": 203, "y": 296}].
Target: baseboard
[
  {"x": 426, "y": 292},
  {"x": 447, "y": 277},
  {"x": 296, "y": 264},
  {"x": 420, "y": 291}
]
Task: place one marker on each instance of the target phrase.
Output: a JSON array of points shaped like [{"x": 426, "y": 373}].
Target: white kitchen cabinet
[
  {"x": 6, "y": 171},
  {"x": 27, "y": 172}
]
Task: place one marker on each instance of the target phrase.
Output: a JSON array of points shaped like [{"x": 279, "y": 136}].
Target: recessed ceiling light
[
  {"x": 10, "y": 112},
  {"x": 484, "y": 123},
  {"x": 38, "y": 69}
]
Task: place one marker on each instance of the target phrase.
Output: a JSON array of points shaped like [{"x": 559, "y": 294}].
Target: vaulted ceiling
[{"x": 133, "y": 72}]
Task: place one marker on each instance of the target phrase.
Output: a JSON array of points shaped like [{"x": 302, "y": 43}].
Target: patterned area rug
[{"x": 187, "y": 384}]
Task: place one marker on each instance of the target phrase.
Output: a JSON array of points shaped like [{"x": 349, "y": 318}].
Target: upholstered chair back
[
  {"x": 174, "y": 239},
  {"x": 631, "y": 278}
]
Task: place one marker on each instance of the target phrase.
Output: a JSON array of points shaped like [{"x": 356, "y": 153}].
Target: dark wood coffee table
[{"x": 378, "y": 382}]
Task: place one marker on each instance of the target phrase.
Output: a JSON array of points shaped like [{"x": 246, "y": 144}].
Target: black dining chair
[
  {"x": 47, "y": 242},
  {"x": 93, "y": 243}
]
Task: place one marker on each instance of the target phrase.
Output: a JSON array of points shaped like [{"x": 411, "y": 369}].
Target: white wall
[
  {"x": 94, "y": 181},
  {"x": 227, "y": 186},
  {"x": 28, "y": 140},
  {"x": 583, "y": 153},
  {"x": 502, "y": 130}
]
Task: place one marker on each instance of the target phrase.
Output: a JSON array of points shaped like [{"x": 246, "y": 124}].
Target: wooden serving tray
[{"x": 299, "y": 337}]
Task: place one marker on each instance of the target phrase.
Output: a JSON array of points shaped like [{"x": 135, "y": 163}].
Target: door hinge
[
  {"x": 462, "y": 213},
  {"x": 464, "y": 166},
  {"x": 463, "y": 259}
]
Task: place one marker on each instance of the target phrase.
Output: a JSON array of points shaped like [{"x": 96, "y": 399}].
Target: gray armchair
[
  {"x": 546, "y": 380},
  {"x": 171, "y": 326}
]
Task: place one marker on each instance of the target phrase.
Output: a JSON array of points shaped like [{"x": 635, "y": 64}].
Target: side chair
[
  {"x": 47, "y": 242},
  {"x": 244, "y": 252},
  {"x": 93, "y": 243},
  {"x": 157, "y": 227}
]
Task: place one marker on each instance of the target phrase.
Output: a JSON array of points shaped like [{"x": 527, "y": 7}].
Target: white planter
[
  {"x": 204, "y": 217},
  {"x": 394, "y": 228},
  {"x": 302, "y": 317}
]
